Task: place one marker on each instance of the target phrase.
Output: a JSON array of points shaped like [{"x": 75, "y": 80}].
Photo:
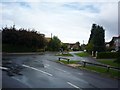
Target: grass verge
[
  {"x": 82, "y": 54},
  {"x": 109, "y": 62},
  {"x": 101, "y": 70},
  {"x": 67, "y": 54},
  {"x": 70, "y": 62}
]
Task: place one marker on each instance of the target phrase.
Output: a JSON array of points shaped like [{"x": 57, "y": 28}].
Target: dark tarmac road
[{"x": 40, "y": 71}]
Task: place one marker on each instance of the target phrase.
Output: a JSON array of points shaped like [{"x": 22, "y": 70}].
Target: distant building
[
  {"x": 43, "y": 35},
  {"x": 73, "y": 46},
  {"x": 48, "y": 39},
  {"x": 107, "y": 44},
  {"x": 114, "y": 44}
]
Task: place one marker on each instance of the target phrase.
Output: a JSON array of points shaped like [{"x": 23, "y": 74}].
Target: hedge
[{"x": 107, "y": 55}]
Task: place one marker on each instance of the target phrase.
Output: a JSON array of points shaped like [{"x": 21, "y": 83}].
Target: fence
[
  {"x": 102, "y": 65},
  {"x": 68, "y": 60},
  {"x": 96, "y": 64}
]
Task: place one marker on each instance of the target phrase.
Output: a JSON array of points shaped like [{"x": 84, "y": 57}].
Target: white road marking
[
  {"x": 21, "y": 81},
  {"x": 3, "y": 68},
  {"x": 80, "y": 73},
  {"x": 60, "y": 70},
  {"x": 72, "y": 85},
  {"x": 37, "y": 70},
  {"x": 47, "y": 65}
]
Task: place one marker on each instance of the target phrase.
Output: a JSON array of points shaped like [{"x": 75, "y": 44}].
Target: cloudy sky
[{"x": 70, "y": 20}]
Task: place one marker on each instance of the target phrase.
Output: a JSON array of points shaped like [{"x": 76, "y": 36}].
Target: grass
[
  {"x": 111, "y": 73},
  {"x": 67, "y": 54},
  {"x": 101, "y": 70},
  {"x": 109, "y": 62},
  {"x": 70, "y": 62},
  {"x": 82, "y": 54}
]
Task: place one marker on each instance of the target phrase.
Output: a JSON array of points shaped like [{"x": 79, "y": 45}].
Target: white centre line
[
  {"x": 47, "y": 65},
  {"x": 37, "y": 70},
  {"x": 80, "y": 73},
  {"x": 72, "y": 85},
  {"x": 4, "y": 68},
  {"x": 60, "y": 70}
]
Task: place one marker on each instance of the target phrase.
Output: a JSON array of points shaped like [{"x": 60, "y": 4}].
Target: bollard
[
  {"x": 59, "y": 59},
  {"x": 108, "y": 68},
  {"x": 84, "y": 64},
  {"x": 96, "y": 54},
  {"x": 68, "y": 61},
  {"x": 92, "y": 53}
]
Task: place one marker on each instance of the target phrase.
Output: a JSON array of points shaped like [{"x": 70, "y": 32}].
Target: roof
[{"x": 48, "y": 39}]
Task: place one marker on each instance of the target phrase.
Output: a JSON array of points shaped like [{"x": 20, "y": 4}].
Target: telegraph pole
[
  {"x": 83, "y": 41},
  {"x": 51, "y": 35}
]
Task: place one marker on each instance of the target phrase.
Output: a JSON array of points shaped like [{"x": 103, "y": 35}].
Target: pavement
[{"x": 41, "y": 71}]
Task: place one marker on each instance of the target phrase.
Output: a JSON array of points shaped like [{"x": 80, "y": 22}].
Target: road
[
  {"x": 41, "y": 71},
  {"x": 75, "y": 57}
]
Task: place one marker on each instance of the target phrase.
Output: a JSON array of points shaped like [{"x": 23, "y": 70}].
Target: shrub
[
  {"x": 107, "y": 55},
  {"x": 118, "y": 58}
]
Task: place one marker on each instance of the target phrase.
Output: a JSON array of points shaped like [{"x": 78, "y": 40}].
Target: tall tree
[{"x": 97, "y": 38}]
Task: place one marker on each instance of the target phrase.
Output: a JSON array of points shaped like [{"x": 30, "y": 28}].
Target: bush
[
  {"x": 16, "y": 48},
  {"x": 118, "y": 58},
  {"x": 74, "y": 49},
  {"x": 107, "y": 55}
]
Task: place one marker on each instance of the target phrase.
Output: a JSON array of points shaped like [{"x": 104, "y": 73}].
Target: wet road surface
[{"x": 41, "y": 71}]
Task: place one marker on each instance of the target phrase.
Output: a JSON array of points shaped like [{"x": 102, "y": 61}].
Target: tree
[
  {"x": 16, "y": 40},
  {"x": 54, "y": 44},
  {"x": 96, "y": 41},
  {"x": 64, "y": 46},
  {"x": 89, "y": 47},
  {"x": 118, "y": 56}
]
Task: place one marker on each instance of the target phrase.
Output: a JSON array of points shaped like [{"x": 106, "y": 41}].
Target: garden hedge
[{"x": 107, "y": 55}]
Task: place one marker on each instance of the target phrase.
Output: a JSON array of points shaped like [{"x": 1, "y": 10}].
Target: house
[
  {"x": 107, "y": 44},
  {"x": 114, "y": 44},
  {"x": 73, "y": 46},
  {"x": 48, "y": 39}
]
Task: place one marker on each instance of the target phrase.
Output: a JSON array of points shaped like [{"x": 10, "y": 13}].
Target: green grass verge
[
  {"x": 68, "y": 54},
  {"x": 70, "y": 62},
  {"x": 101, "y": 70},
  {"x": 109, "y": 62},
  {"x": 111, "y": 73},
  {"x": 82, "y": 54}
]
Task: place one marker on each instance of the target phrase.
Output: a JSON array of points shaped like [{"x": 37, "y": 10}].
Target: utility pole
[
  {"x": 13, "y": 25},
  {"x": 51, "y": 35},
  {"x": 83, "y": 41}
]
